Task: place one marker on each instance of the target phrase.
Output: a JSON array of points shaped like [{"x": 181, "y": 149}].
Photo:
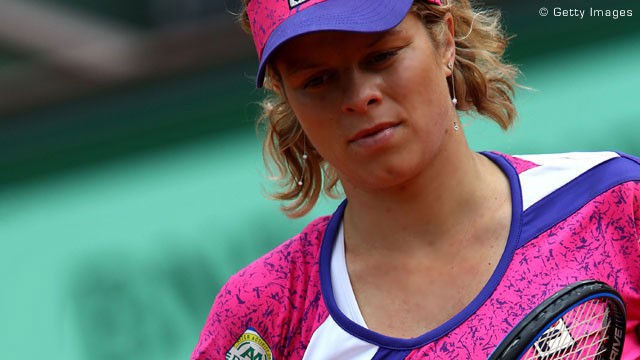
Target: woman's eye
[
  {"x": 382, "y": 57},
  {"x": 315, "y": 81}
]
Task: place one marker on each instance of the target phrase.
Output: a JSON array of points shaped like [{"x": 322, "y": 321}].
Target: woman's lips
[{"x": 374, "y": 136}]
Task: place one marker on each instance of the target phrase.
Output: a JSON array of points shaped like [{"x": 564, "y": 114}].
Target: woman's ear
[
  {"x": 272, "y": 85},
  {"x": 272, "y": 82},
  {"x": 448, "y": 50}
]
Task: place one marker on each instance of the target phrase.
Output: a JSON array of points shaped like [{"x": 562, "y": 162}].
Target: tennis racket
[{"x": 585, "y": 320}]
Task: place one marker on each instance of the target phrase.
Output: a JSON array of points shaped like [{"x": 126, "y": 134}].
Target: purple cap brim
[{"x": 340, "y": 15}]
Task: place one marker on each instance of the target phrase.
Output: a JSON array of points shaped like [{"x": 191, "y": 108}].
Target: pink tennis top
[{"x": 576, "y": 216}]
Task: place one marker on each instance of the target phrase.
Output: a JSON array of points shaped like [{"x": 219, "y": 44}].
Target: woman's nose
[{"x": 361, "y": 92}]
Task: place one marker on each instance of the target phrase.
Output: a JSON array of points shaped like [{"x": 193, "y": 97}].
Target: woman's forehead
[
  {"x": 341, "y": 38},
  {"x": 310, "y": 44}
]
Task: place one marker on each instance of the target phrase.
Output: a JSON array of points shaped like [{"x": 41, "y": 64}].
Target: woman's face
[{"x": 375, "y": 106}]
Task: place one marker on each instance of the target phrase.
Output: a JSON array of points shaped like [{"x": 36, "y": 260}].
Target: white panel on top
[
  {"x": 330, "y": 342},
  {"x": 556, "y": 170}
]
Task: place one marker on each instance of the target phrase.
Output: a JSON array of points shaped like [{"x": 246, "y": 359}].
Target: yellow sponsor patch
[{"x": 250, "y": 346}]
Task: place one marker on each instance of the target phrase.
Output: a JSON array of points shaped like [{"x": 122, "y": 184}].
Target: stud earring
[{"x": 454, "y": 100}]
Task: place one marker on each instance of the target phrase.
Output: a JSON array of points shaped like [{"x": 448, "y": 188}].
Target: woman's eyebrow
[
  {"x": 298, "y": 65},
  {"x": 381, "y": 36}
]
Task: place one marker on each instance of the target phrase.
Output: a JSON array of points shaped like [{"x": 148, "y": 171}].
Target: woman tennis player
[{"x": 437, "y": 251}]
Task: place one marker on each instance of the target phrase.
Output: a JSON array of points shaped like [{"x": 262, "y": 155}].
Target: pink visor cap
[{"x": 275, "y": 21}]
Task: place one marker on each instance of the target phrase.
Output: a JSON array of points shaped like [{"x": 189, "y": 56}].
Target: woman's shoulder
[
  {"x": 281, "y": 278},
  {"x": 561, "y": 184},
  {"x": 291, "y": 258},
  {"x": 268, "y": 299},
  {"x": 600, "y": 169},
  {"x": 572, "y": 161}
]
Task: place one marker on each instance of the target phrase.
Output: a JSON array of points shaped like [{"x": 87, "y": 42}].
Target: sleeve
[
  {"x": 631, "y": 348},
  {"x": 220, "y": 330},
  {"x": 269, "y": 309},
  {"x": 636, "y": 195},
  {"x": 248, "y": 316},
  {"x": 634, "y": 177},
  {"x": 636, "y": 209},
  {"x": 252, "y": 315}
]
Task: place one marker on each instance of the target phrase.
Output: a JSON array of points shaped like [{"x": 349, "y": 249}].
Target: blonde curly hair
[{"x": 484, "y": 84}]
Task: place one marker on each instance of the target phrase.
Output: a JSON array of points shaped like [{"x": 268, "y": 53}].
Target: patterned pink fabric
[
  {"x": 521, "y": 165},
  {"x": 571, "y": 251},
  {"x": 266, "y": 15},
  {"x": 278, "y": 295}
]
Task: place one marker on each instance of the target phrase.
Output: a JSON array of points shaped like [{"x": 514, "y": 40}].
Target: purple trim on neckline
[{"x": 392, "y": 343}]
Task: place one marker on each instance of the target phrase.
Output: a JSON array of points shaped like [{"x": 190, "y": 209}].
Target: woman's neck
[{"x": 457, "y": 193}]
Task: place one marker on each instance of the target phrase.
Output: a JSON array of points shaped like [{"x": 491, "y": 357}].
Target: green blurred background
[{"x": 131, "y": 178}]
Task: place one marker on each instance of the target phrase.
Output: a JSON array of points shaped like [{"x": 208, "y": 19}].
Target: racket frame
[{"x": 543, "y": 316}]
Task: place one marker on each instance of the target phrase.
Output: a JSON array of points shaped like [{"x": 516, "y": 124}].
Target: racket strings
[
  {"x": 590, "y": 330},
  {"x": 579, "y": 334}
]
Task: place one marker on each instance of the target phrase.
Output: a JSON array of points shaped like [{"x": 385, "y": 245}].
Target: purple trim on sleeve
[
  {"x": 569, "y": 198},
  {"x": 630, "y": 157}
]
